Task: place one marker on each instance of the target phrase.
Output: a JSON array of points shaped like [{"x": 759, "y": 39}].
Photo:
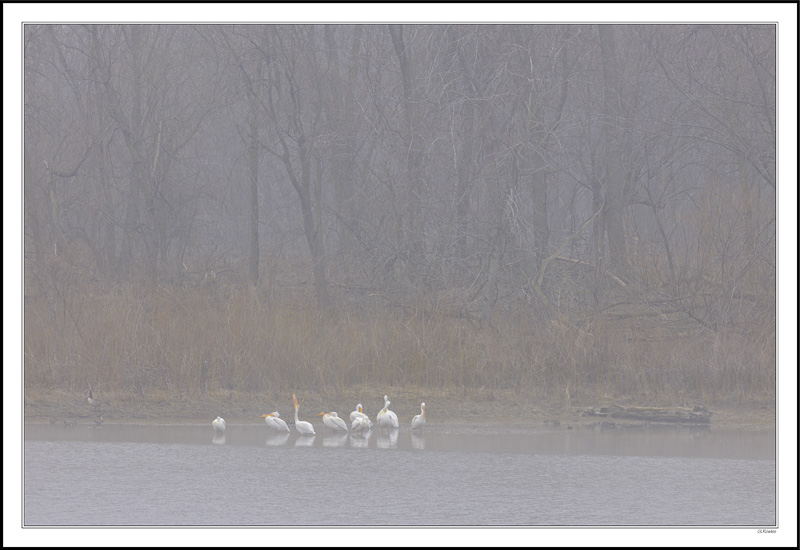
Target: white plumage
[
  {"x": 360, "y": 425},
  {"x": 360, "y": 414},
  {"x": 219, "y": 424},
  {"x": 387, "y": 418},
  {"x": 305, "y": 428},
  {"x": 275, "y": 422},
  {"x": 419, "y": 420},
  {"x": 333, "y": 421}
]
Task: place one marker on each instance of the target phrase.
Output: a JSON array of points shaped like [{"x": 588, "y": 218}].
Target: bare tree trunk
[
  {"x": 493, "y": 270},
  {"x": 108, "y": 237},
  {"x": 253, "y": 161},
  {"x": 465, "y": 161},
  {"x": 341, "y": 109},
  {"x": 414, "y": 143},
  {"x": 132, "y": 132},
  {"x": 289, "y": 103},
  {"x": 313, "y": 231},
  {"x": 539, "y": 222},
  {"x": 464, "y": 169},
  {"x": 614, "y": 170},
  {"x": 32, "y": 226}
]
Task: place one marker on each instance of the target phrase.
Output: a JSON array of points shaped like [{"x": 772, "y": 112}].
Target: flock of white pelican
[{"x": 359, "y": 421}]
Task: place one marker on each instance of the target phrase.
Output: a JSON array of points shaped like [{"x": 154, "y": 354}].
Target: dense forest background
[{"x": 564, "y": 211}]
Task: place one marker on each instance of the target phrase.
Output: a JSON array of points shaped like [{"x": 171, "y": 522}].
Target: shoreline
[{"x": 491, "y": 409}]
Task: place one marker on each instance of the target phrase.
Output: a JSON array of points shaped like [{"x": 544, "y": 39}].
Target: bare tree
[
  {"x": 294, "y": 106},
  {"x": 414, "y": 140},
  {"x": 614, "y": 125},
  {"x": 345, "y": 127}
]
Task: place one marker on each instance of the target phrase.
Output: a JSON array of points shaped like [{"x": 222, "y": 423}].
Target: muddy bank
[{"x": 478, "y": 408}]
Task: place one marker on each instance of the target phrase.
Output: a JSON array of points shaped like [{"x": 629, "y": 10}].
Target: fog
[
  {"x": 604, "y": 187},
  {"x": 548, "y": 216},
  {"x": 473, "y": 163}
]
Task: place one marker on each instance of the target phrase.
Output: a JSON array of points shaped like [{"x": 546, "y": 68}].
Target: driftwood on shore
[{"x": 695, "y": 415}]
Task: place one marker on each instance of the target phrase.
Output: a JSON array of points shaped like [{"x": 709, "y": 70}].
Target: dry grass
[{"x": 186, "y": 344}]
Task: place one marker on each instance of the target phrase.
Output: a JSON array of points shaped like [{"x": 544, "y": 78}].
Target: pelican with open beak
[{"x": 305, "y": 428}]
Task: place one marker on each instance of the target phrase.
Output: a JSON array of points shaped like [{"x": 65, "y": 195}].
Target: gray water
[{"x": 182, "y": 475}]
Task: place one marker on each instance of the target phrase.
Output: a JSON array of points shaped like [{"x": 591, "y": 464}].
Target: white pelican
[
  {"x": 386, "y": 418},
  {"x": 360, "y": 425},
  {"x": 95, "y": 402},
  {"x": 359, "y": 413},
  {"x": 305, "y": 428},
  {"x": 275, "y": 422},
  {"x": 219, "y": 424},
  {"x": 419, "y": 420},
  {"x": 333, "y": 421}
]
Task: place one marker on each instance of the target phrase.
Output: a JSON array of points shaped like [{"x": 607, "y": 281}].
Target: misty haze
[{"x": 555, "y": 245}]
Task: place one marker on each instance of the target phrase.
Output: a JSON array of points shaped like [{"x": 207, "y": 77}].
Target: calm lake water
[{"x": 182, "y": 475}]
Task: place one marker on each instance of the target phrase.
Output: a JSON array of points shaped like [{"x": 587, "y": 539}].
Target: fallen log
[{"x": 695, "y": 415}]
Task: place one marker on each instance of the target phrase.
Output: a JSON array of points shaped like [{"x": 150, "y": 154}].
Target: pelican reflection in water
[
  {"x": 277, "y": 440},
  {"x": 335, "y": 440},
  {"x": 307, "y": 441},
  {"x": 388, "y": 441},
  {"x": 360, "y": 441}
]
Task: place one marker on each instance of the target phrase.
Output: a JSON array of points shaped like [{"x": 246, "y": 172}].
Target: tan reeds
[{"x": 185, "y": 342}]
